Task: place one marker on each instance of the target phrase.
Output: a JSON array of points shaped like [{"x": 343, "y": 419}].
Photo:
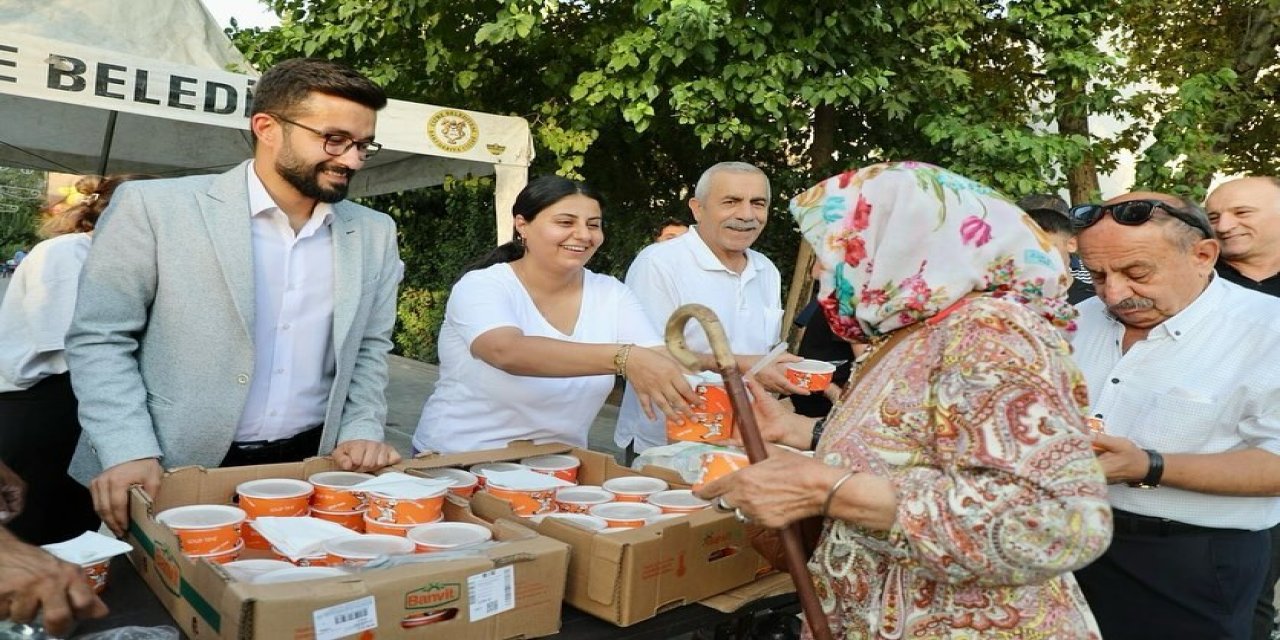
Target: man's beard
[{"x": 307, "y": 179}]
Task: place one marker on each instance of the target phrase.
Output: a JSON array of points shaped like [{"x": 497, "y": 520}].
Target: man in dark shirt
[
  {"x": 1051, "y": 214},
  {"x": 1245, "y": 214}
]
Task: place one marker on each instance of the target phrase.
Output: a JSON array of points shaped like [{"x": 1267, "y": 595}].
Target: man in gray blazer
[{"x": 242, "y": 318}]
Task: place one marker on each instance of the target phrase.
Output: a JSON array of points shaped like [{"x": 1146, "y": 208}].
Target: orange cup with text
[
  {"x": 204, "y": 528},
  {"x": 561, "y": 466},
  {"x": 388, "y": 529},
  {"x": 712, "y": 419},
  {"x": 525, "y": 502},
  {"x": 332, "y": 491},
  {"x": 814, "y": 375},
  {"x": 393, "y": 510},
  {"x": 96, "y": 574}
]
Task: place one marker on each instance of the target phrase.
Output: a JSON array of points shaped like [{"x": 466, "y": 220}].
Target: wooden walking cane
[{"x": 745, "y": 424}]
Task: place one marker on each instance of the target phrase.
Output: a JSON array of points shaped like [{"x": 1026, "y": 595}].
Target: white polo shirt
[
  {"x": 1203, "y": 381},
  {"x": 683, "y": 270},
  {"x": 36, "y": 311}
]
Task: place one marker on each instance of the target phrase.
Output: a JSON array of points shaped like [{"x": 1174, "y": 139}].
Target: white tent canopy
[{"x": 65, "y": 106}]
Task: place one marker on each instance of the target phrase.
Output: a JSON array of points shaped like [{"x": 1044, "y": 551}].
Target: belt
[
  {"x": 1140, "y": 525},
  {"x": 268, "y": 445}
]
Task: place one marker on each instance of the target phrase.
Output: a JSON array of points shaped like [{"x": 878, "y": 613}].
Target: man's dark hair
[
  {"x": 1049, "y": 212},
  {"x": 669, "y": 222},
  {"x": 288, "y": 84}
]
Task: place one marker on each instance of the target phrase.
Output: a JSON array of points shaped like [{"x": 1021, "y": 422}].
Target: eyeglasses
[
  {"x": 336, "y": 144},
  {"x": 1134, "y": 213}
]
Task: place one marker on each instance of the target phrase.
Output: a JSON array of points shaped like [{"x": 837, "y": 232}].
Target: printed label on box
[
  {"x": 492, "y": 592},
  {"x": 345, "y": 619}
]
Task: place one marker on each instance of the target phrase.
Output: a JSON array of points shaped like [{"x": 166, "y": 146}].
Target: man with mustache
[
  {"x": 242, "y": 318},
  {"x": 713, "y": 265},
  {"x": 1245, "y": 214},
  {"x": 1176, "y": 363}
]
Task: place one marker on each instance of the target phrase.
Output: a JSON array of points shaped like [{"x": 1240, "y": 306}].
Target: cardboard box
[
  {"x": 455, "y": 599},
  {"x": 628, "y": 577}
]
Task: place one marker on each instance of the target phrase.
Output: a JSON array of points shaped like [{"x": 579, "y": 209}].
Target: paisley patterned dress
[{"x": 978, "y": 421}]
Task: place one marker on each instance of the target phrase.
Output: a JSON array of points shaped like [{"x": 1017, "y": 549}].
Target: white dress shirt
[
  {"x": 1203, "y": 381},
  {"x": 293, "y": 362},
  {"x": 477, "y": 406},
  {"x": 683, "y": 270},
  {"x": 36, "y": 311}
]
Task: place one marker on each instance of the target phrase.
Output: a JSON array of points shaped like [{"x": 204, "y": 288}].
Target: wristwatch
[{"x": 1155, "y": 469}]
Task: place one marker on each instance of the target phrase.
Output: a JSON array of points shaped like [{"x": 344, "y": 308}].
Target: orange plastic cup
[
  {"x": 479, "y": 469},
  {"x": 625, "y": 515},
  {"x": 384, "y": 528},
  {"x": 464, "y": 482},
  {"x": 712, "y": 421},
  {"x": 443, "y": 536},
  {"x": 1096, "y": 425},
  {"x": 358, "y": 551},
  {"x": 634, "y": 488},
  {"x": 525, "y": 502},
  {"x": 331, "y": 493},
  {"x": 561, "y": 466},
  {"x": 203, "y": 529},
  {"x": 276, "y": 497},
  {"x": 353, "y": 520},
  {"x": 581, "y": 498},
  {"x": 384, "y": 508},
  {"x": 814, "y": 375},
  {"x": 719, "y": 464},
  {"x": 96, "y": 574},
  {"x": 678, "y": 501},
  {"x": 221, "y": 557}
]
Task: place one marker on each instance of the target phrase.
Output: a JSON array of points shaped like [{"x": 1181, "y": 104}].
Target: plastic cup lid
[
  {"x": 449, "y": 534},
  {"x": 479, "y": 469},
  {"x": 274, "y": 488},
  {"x": 584, "y": 493},
  {"x": 338, "y": 478},
  {"x": 459, "y": 477},
  {"x": 553, "y": 461},
  {"x": 812, "y": 366},
  {"x": 678, "y": 498},
  {"x": 635, "y": 484},
  {"x": 201, "y": 516},
  {"x": 369, "y": 545},
  {"x": 625, "y": 511}
]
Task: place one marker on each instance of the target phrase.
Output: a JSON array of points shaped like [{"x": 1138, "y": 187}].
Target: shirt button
[
  {"x": 285, "y": 326},
  {"x": 1098, "y": 416},
  {"x": 272, "y": 412},
  {"x": 279, "y": 370},
  {"x": 1115, "y": 381},
  {"x": 242, "y": 379}
]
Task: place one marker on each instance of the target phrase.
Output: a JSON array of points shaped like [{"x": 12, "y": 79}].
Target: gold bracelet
[
  {"x": 831, "y": 494},
  {"x": 620, "y": 360}
]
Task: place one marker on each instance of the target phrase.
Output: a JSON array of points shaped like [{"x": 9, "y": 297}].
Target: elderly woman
[{"x": 956, "y": 476}]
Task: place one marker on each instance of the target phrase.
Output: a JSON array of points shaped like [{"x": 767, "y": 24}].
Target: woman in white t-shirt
[
  {"x": 532, "y": 340},
  {"x": 39, "y": 427}
]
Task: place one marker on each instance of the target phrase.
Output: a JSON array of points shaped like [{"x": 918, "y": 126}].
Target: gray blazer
[{"x": 161, "y": 344}]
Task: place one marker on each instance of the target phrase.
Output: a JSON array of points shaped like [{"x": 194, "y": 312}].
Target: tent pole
[{"x": 106, "y": 143}]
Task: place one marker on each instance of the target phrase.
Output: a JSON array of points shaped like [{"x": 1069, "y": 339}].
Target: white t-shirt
[
  {"x": 36, "y": 311},
  {"x": 683, "y": 270},
  {"x": 476, "y": 406},
  {"x": 1203, "y": 381}
]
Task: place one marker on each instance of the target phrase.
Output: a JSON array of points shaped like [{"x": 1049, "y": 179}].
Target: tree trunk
[
  {"x": 1073, "y": 119},
  {"x": 821, "y": 157}
]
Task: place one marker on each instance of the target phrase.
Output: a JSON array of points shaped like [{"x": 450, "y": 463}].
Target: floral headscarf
[{"x": 902, "y": 241}]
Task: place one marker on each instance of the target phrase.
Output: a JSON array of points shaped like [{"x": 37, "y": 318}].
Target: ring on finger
[
  {"x": 722, "y": 505},
  {"x": 740, "y": 516}
]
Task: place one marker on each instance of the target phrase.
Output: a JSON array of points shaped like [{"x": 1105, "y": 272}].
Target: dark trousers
[
  {"x": 1264, "y": 615},
  {"x": 39, "y": 430},
  {"x": 1162, "y": 580},
  {"x": 299, "y": 447}
]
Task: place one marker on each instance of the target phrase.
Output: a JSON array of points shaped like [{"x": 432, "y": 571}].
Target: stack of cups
[
  {"x": 277, "y": 498},
  {"x": 334, "y": 502},
  {"x": 209, "y": 531}
]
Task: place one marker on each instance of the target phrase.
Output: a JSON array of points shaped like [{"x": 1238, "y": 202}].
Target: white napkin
[
  {"x": 403, "y": 486},
  {"x": 298, "y": 538},
  {"x": 525, "y": 480},
  {"x": 88, "y": 548}
]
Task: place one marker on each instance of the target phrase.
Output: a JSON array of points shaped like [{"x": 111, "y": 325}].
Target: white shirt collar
[
  {"x": 707, "y": 259},
  {"x": 260, "y": 201},
  {"x": 1186, "y": 321}
]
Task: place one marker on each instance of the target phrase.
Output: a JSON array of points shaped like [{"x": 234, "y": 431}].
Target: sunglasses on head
[{"x": 1134, "y": 213}]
